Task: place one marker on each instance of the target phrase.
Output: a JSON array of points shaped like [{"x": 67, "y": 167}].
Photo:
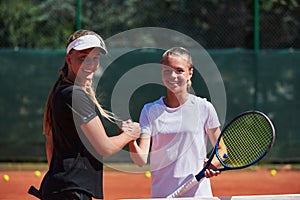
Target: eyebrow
[{"x": 87, "y": 53}]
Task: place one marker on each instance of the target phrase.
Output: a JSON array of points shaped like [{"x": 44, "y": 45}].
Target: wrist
[{"x": 129, "y": 136}]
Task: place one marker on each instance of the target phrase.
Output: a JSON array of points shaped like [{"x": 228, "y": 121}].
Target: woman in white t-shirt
[{"x": 176, "y": 128}]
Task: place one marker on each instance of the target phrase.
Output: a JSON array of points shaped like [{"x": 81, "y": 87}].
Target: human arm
[
  {"x": 49, "y": 147},
  {"x": 102, "y": 143},
  {"x": 88, "y": 120},
  {"x": 214, "y": 134},
  {"x": 139, "y": 150}
]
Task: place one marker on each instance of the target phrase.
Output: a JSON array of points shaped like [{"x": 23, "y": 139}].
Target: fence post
[
  {"x": 256, "y": 25},
  {"x": 256, "y": 51},
  {"x": 78, "y": 15}
]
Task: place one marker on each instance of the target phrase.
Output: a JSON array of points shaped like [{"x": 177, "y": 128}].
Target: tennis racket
[{"x": 248, "y": 138}]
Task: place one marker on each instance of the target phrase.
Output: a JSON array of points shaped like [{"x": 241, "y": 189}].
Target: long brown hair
[{"x": 63, "y": 73}]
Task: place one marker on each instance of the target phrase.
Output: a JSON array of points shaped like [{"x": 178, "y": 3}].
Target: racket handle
[
  {"x": 200, "y": 175},
  {"x": 35, "y": 192},
  {"x": 184, "y": 188}
]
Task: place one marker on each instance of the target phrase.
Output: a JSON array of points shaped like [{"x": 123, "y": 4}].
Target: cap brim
[
  {"x": 87, "y": 46},
  {"x": 86, "y": 42}
]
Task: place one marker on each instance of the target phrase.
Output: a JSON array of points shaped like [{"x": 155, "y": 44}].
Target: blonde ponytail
[
  {"x": 189, "y": 84},
  {"x": 108, "y": 115}
]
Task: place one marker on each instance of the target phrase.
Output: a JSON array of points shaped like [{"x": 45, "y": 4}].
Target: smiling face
[
  {"x": 83, "y": 64},
  {"x": 175, "y": 73}
]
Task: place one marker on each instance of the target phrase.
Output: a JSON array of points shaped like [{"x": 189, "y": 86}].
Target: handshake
[{"x": 130, "y": 128}]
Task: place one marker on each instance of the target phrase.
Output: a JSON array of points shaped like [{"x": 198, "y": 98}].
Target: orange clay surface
[{"x": 118, "y": 185}]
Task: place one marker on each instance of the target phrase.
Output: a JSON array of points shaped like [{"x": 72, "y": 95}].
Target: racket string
[{"x": 246, "y": 139}]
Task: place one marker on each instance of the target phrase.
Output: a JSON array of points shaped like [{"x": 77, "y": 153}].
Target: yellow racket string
[{"x": 247, "y": 139}]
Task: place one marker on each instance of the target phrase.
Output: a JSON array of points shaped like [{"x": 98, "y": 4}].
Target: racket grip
[
  {"x": 184, "y": 188},
  {"x": 35, "y": 192},
  {"x": 200, "y": 175}
]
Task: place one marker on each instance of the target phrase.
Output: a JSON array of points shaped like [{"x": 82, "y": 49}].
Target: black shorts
[{"x": 69, "y": 195}]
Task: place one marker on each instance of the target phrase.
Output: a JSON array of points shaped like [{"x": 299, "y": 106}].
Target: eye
[
  {"x": 179, "y": 71},
  {"x": 96, "y": 59},
  {"x": 167, "y": 71},
  {"x": 82, "y": 58}
]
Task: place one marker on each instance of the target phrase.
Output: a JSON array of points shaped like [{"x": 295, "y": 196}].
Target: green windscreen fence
[{"x": 267, "y": 81}]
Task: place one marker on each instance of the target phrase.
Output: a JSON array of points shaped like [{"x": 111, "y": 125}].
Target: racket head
[{"x": 248, "y": 138}]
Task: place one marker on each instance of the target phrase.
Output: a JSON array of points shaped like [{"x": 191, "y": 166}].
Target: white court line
[{"x": 256, "y": 197}]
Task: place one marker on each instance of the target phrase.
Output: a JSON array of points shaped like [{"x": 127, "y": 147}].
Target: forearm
[
  {"x": 214, "y": 134},
  {"x": 222, "y": 151},
  {"x": 104, "y": 145},
  {"x": 137, "y": 155},
  {"x": 118, "y": 142},
  {"x": 215, "y": 162}
]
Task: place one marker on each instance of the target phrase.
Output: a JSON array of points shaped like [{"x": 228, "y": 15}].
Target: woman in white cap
[{"x": 73, "y": 125}]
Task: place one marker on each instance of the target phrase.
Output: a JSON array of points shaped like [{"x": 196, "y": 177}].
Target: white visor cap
[{"x": 86, "y": 42}]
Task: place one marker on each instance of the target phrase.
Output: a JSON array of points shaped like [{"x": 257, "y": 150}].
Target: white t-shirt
[{"x": 179, "y": 143}]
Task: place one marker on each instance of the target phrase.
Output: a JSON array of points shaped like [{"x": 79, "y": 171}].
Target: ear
[
  {"x": 191, "y": 71},
  {"x": 68, "y": 59}
]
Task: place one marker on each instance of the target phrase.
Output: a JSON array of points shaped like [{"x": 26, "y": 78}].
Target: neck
[
  {"x": 173, "y": 100},
  {"x": 77, "y": 81},
  {"x": 69, "y": 81},
  {"x": 71, "y": 76}
]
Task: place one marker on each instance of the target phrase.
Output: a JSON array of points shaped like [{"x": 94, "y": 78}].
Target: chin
[{"x": 176, "y": 90}]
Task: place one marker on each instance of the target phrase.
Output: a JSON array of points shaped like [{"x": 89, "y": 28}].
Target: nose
[
  {"x": 173, "y": 74},
  {"x": 90, "y": 64}
]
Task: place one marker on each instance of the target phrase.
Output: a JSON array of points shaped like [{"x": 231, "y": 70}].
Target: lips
[
  {"x": 87, "y": 73},
  {"x": 173, "y": 83}
]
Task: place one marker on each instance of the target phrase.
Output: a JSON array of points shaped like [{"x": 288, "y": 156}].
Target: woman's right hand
[
  {"x": 131, "y": 128},
  {"x": 211, "y": 170}
]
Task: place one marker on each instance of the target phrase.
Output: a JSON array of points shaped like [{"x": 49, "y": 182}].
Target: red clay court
[{"x": 122, "y": 185}]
